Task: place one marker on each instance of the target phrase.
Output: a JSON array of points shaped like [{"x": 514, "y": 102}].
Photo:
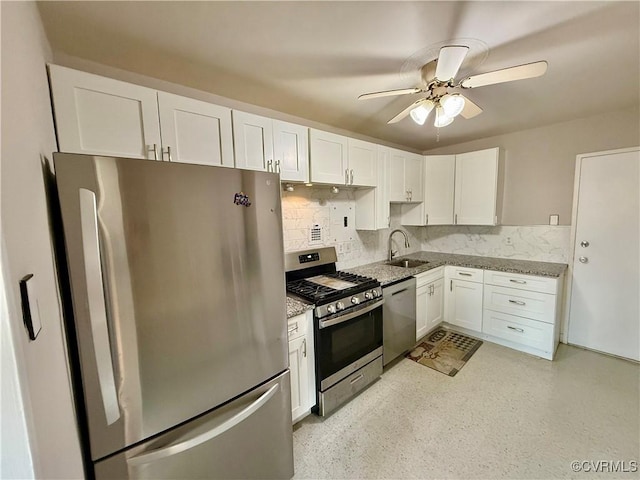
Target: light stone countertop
[
  {"x": 296, "y": 307},
  {"x": 387, "y": 274}
]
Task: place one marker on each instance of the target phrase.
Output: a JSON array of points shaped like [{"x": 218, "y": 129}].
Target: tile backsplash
[{"x": 315, "y": 210}]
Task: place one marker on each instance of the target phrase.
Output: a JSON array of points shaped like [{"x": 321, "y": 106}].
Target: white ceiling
[{"x": 312, "y": 59}]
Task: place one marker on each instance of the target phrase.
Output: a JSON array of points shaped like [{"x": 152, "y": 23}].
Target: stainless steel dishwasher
[{"x": 398, "y": 318}]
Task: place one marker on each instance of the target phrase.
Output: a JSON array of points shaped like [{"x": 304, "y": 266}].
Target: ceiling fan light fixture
[
  {"x": 452, "y": 104},
  {"x": 421, "y": 112},
  {"x": 442, "y": 119}
]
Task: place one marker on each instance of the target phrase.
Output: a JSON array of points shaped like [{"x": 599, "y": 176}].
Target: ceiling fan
[{"x": 439, "y": 85}]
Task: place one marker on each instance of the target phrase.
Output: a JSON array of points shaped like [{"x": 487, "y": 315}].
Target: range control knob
[
  {"x": 331, "y": 309},
  {"x": 375, "y": 293},
  {"x": 340, "y": 306},
  {"x": 368, "y": 295},
  {"x": 355, "y": 300}
]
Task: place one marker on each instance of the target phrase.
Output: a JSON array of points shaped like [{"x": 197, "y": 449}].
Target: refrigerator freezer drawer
[{"x": 249, "y": 438}]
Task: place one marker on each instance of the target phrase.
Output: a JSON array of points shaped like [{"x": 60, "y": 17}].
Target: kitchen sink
[{"x": 407, "y": 263}]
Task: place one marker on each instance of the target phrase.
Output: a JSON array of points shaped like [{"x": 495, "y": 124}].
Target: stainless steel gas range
[{"x": 347, "y": 324}]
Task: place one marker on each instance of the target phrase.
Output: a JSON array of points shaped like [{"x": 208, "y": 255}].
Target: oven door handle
[{"x": 350, "y": 315}]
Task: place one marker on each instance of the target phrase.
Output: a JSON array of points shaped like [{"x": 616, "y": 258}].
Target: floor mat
[{"x": 445, "y": 351}]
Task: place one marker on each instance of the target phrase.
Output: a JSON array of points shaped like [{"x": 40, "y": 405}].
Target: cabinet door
[
  {"x": 291, "y": 151},
  {"x": 435, "y": 304},
  {"x": 328, "y": 157},
  {"x": 422, "y": 301},
  {"x": 397, "y": 190},
  {"x": 372, "y": 204},
  {"x": 363, "y": 164},
  {"x": 439, "y": 189},
  {"x": 194, "y": 131},
  {"x": 299, "y": 369},
  {"x": 476, "y": 187},
  {"x": 253, "y": 141},
  {"x": 464, "y": 304},
  {"x": 413, "y": 173},
  {"x": 98, "y": 115}
]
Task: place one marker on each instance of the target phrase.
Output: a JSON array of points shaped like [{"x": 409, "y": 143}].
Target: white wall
[
  {"x": 27, "y": 143},
  {"x": 540, "y": 162}
]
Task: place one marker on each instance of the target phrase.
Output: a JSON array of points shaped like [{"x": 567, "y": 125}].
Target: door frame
[{"x": 564, "y": 327}]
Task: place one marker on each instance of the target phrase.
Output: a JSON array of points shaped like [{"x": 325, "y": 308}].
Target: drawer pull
[
  {"x": 515, "y": 328},
  {"x": 465, "y": 274},
  {"x": 517, "y": 302},
  {"x": 293, "y": 329},
  {"x": 357, "y": 379},
  {"x": 522, "y": 282}
]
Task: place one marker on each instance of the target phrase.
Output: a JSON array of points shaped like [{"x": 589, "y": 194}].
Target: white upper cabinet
[
  {"x": 253, "y": 141},
  {"x": 362, "y": 159},
  {"x": 101, "y": 116},
  {"x": 97, "y": 115},
  {"x": 339, "y": 160},
  {"x": 476, "y": 189},
  {"x": 462, "y": 189},
  {"x": 291, "y": 151},
  {"x": 194, "y": 131},
  {"x": 372, "y": 204},
  {"x": 328, "y": 157},
  {"x": 405, "y": 177},
  {"x": 439, "y": 189},
  {"x": 269, "y": 145}
]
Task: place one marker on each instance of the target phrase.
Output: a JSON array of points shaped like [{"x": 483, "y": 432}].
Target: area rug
[{"x": 445, "y": 351}]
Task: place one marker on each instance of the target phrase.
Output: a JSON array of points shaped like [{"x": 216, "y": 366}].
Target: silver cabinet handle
[
  {"x": 583, "y": 260},
  {"x": 346, "y": 176},
  {"x": 165, "y": 452},
  {"x": 269, "y": 165},
  {"x": 515, "y": 328},
  {"x": 293, "y": 329},
  {"x": 304, "y": 348},
  {"x": 522, "y": 282},
  {"x": 357, "y": 379},
  {"x": 277, "y": 166},
  {"x": 97, "y": 305},
  {"x": 168, "y": 154},
  {"x": 351, "y": 177},
  {"x": 517, "y": 302},
  {"x": 451, "y": 286},
  {"x": 455, "y": 219},
  {"x": 155, "y": 150},
  {"x": 465, "y": 274},
  {"x": 426, "y": 220}
]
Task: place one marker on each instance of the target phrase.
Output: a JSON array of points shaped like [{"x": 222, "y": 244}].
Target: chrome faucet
[{"x": 406, "y": 242}]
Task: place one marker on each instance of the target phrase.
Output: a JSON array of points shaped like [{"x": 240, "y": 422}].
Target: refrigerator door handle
[
  {"x": 97, "y": 305},
  {"x": 165, "y": 452}
]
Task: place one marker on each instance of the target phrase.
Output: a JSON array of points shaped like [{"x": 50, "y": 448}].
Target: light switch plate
[{"x": 554, "y": 219}]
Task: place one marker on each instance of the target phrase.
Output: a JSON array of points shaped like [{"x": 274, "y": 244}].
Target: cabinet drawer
[
  {"x": 464, "y": 273},
  {"x": 429, "y": 276},
  {"x": 297, "y": 326},
  {"x": 518, "y": 330},
  {"x": 539, "y": 306},
  {"x": 522, "y": 282}
]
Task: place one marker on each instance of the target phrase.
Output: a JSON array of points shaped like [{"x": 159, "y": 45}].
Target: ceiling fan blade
[
  {"x": 388, "y": 93},
  {"x": 449, "y": 61},
  {"x": 470, "y": 109},
  {"x": 521, "y": 72},
  {"x": 406, "y": 111}
]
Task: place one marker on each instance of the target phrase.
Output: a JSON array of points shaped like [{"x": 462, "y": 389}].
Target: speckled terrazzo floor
[{"x": 506, "y": 414}]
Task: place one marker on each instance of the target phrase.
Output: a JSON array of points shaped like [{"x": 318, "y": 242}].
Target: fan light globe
[
  {"x": 421, "y": 112},
  {"x": 452, "y": 104},
  {"x": 442, "y": 119}
]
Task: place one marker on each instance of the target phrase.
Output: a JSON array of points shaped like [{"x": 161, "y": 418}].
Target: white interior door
[{"x": 605, "y": 313}]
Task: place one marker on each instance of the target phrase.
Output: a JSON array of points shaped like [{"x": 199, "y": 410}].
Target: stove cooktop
[{"x": 328, "y": 287}]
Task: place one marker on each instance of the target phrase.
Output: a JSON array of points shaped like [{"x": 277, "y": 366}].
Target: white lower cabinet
[
  {"x": 463, "y": 298},
  {"x": 522, "y": 312},
  {"x": 301, "y": 365},
  {"x": 429, "y": 301}
]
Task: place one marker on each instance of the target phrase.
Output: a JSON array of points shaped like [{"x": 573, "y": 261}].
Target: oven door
[{"x": 343, "y": 340}]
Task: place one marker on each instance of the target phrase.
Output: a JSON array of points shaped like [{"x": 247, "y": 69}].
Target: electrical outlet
[{"x": 554, "y": 219}]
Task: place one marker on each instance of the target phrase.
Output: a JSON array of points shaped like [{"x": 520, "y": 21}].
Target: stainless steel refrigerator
[{"x": 176, "y": 277}]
